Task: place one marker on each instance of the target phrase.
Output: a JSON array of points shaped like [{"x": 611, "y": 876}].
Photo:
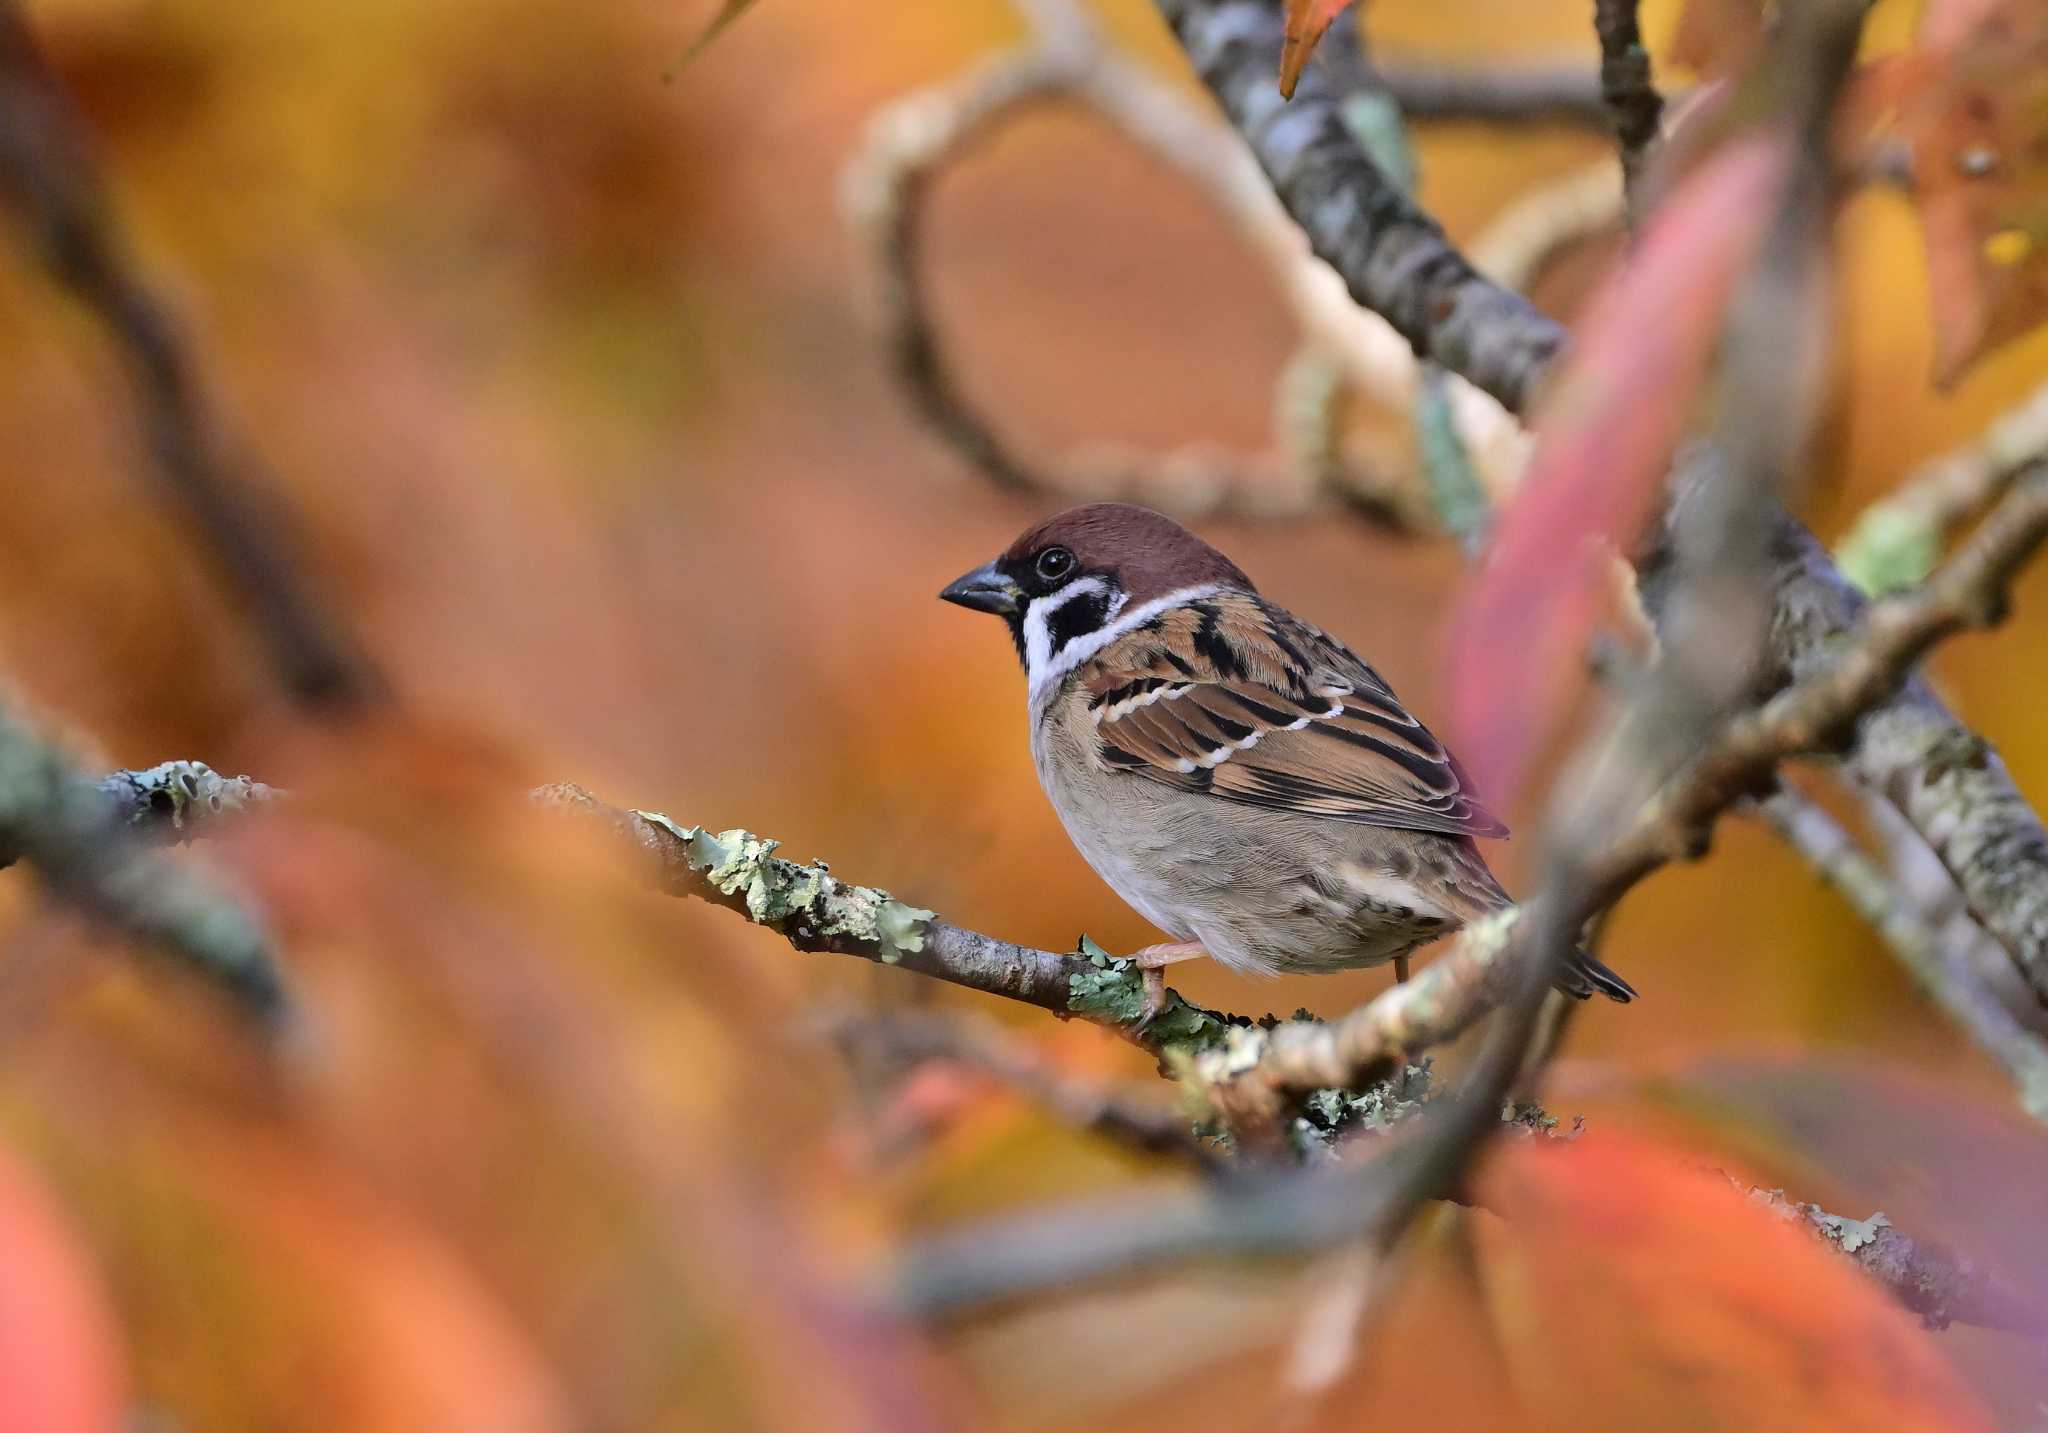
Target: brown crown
[{"x": 1148, "y": 553}]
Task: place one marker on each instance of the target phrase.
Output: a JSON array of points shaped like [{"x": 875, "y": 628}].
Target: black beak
[{"x": 985, "y": 590}]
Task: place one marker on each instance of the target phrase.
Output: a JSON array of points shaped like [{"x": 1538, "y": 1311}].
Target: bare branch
[
  {"x": 48, "y": 177},
  {"x": 1146, "y": 1125},
  {"x": 1559, "y": 92},
  {"x": 913, "y": 142},
  {"x": 1945, "y": 971},
  {"x": 1626, "y": 88}
]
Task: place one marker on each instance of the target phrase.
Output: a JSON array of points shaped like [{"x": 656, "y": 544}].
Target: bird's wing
[{"x": 1235, "y": 698}]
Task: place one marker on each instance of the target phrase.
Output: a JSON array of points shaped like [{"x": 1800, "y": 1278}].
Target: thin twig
[
  {"x": 911, "y": 143},
  {"x": 1560, "y": 92},
  {"x": 1630, "y": 95},
  {"x": 1148, "y": 1125},
  {"x": 1933, "y": 957},
  {"x": 1897, "y": 540},
  {"x": 49, "y": 178}
]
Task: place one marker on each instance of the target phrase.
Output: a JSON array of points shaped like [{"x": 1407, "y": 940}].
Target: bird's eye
[{"x": 1055, "y": 563}]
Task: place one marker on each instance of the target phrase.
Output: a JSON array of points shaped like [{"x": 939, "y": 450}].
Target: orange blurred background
[{"x": 568, "y": 375}]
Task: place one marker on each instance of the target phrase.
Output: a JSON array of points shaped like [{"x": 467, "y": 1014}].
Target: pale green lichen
[
  {"x": 808, "y": 900},
  {"x": 1330, "y": 1114},
  {"x": 1889, "y": 549},
  {"x": 175, "y": 796},
  {"x": 1112, "y": 991},
  {"x": 1849, "y": 1234}
]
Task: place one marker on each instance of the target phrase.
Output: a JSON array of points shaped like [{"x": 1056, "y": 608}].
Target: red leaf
[
  {"x": 1608, "y": 429},
  {"x": 1624, "y": 1275},
  {"x": 1973, "y": 108},
  {"x": 59, "y": 1369},
  {"x": 1306, "y": 22}
]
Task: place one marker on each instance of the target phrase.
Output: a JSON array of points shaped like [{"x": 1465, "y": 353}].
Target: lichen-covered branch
[
  {"x": 51, "y": 183},
  {"x": 1897, "y": 540},
  {"x": 816, "y": 911},
  {"x": 1943, "y": 778},
  {"x": 1391, "y": 255},
  {"x": 1942, "y": 1287},
  {"x": 177, "y": 800},
  {"x": 1816, "y": 714},
  {"x": 75, "y": 835}
]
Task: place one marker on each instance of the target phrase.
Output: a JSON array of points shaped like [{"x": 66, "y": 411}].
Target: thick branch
[
  {"x": 1815, "y": 714},
  {"x": 1943, "y": 778},
  {"x": 1392, "y": 256}
]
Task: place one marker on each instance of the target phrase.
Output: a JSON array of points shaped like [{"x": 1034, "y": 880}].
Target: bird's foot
[
  {"x": 1400, "y": 970},
  {"x": 1152, "y": 962}
]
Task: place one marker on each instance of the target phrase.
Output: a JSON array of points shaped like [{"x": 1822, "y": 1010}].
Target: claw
[{"x": 1151, "y": 963}]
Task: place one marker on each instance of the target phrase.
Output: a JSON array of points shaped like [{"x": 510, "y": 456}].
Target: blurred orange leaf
[
  {"x": 1608, "y": 430},
  {"x": 1306, "y": 22},
  {"x": 1974, "y": 110},
  {"x": 1622, "y": 1275},
  {"x": 59, "y": 1365}
]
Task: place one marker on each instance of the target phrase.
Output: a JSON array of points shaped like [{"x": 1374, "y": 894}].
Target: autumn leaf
[
  {"x": 1608, "y": 430},
  {"x": 1306, "y": 22},
  {"x": 59, "y": 1359},
  {"x": 1973, "y": 110},
  {"x": 1622, "y": 1273}
]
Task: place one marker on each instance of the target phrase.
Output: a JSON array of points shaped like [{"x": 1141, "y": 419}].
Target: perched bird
[{"x": 1238, "y": 776}]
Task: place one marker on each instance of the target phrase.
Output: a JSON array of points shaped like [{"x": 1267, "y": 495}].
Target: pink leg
[
  {"x": 1152, "y": 960},
  {"x": 1156, "y": 957}
]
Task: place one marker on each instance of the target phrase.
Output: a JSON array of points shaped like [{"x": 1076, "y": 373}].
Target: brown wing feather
[{"x": 1236, "y": 698}]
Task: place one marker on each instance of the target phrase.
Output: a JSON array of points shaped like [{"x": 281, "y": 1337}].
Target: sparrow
[{"x": 1239, "y": 777}]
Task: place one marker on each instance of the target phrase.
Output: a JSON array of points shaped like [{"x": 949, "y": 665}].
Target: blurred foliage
[{"x": 564, "y": 371}]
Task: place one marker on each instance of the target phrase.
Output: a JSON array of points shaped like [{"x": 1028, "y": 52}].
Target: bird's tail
[
  {"x": 1582, "y": 975},
  {"x": 1476, "y": 893}
]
